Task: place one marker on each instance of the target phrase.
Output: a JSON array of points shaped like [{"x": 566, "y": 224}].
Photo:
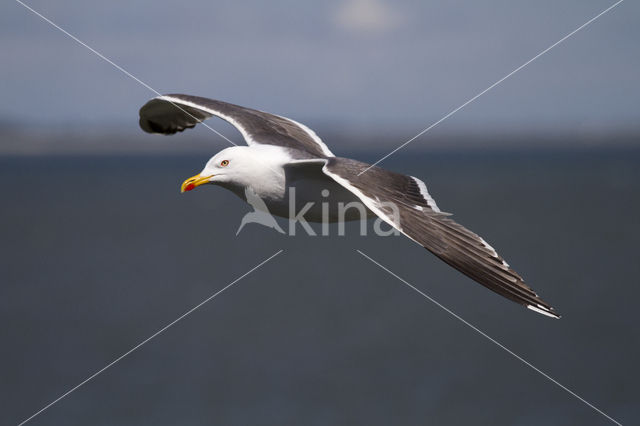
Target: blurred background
[{"x": 98, "y": 249}]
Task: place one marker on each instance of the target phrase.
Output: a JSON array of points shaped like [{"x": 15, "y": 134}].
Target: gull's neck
[{"x": 263, "y": 172}]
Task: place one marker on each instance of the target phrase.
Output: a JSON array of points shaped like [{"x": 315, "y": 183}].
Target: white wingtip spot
[{"x": 543, "y": 311}]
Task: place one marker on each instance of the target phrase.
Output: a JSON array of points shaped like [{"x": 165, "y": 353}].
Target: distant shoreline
[{"x": 17, "y": 141}]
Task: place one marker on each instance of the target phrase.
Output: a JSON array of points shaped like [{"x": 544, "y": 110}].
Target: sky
[{"x": 352, "y": 64}]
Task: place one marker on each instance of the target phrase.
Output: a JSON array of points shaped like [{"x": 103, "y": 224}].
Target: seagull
[{"x": 286, "y": 165}]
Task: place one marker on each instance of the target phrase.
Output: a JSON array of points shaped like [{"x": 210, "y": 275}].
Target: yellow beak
[{"x": 194, "y": 181}]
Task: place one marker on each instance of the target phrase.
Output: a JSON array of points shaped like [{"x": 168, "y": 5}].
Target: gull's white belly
[{"x": 317, "y": 198}]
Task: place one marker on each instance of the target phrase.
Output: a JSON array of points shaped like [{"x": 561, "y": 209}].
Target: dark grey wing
[
  {"x": 417, "y": 216},
  {"x": 169, "y": 114}
]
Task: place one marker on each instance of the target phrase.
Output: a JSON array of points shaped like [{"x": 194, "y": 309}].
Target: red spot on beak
[{"x": 189, "y": 187}]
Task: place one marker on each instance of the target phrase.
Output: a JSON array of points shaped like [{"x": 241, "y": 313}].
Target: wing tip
[
  {"x": 150, "y": 123},
  {"x": 152, "y": 127},
  {"x": 549, "y": 312}
]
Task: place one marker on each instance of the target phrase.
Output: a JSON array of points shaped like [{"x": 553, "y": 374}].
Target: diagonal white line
[
  {"x": 492, "y": 86},
  {"x": 118, "y": 67},
  {"x": 482, "y": 333},
  {"x": 190, "y": 311}
]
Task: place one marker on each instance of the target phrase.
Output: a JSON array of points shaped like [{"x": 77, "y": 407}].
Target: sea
[{"x": 138, "y": 305}]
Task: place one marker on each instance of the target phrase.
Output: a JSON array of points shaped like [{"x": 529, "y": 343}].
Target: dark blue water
[{"x": 98, "y": 253}]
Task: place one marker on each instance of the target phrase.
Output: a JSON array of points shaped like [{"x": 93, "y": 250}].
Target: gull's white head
[{"x": 231, "y": 165}]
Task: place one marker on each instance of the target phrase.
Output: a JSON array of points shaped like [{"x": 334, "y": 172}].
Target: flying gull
[{"x": 284, "y": 156}]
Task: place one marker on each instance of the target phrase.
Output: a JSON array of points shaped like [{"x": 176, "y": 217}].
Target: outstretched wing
[
  {"x": 169, "y": 114},
  {"x": 417, "y": 216}
]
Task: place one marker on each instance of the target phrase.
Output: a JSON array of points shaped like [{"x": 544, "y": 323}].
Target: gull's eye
[{"x": 224, "y": 163}]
